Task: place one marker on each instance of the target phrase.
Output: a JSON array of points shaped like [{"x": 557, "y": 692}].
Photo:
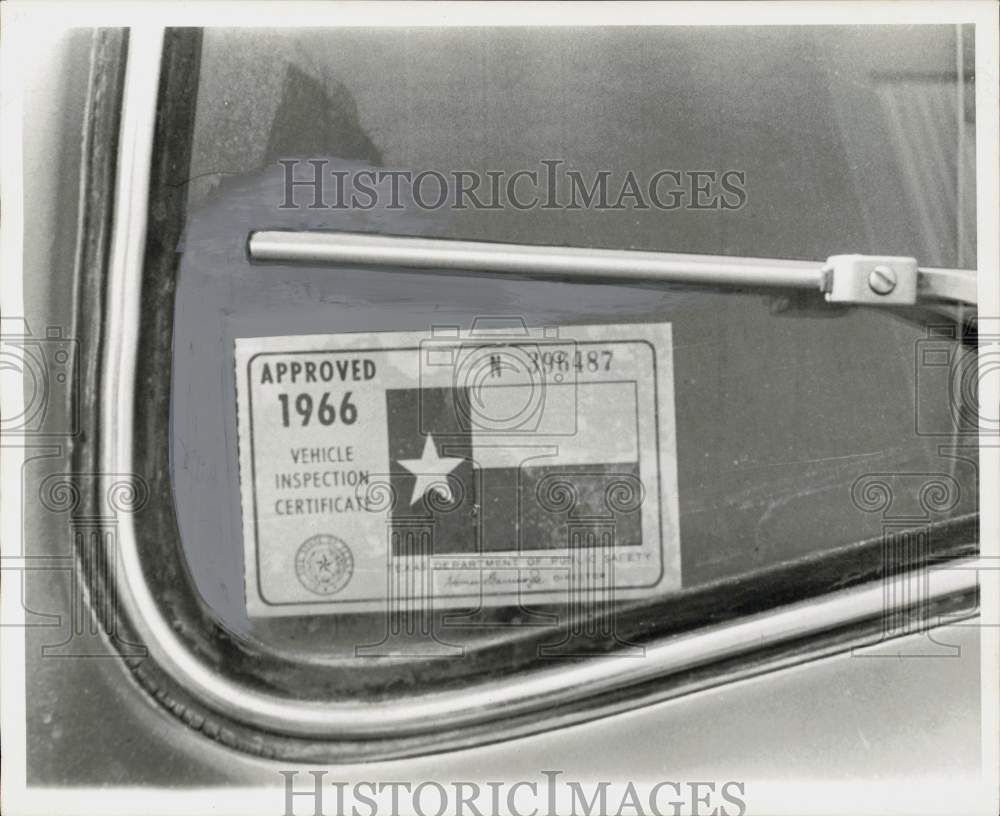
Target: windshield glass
[{"x": 790, "y": 415}]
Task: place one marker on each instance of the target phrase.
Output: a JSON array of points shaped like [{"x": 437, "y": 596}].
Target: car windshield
[{"x": 793, "y": 418}]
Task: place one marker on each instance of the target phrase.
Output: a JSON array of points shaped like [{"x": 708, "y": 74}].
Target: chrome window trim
[{"x": 534, "y": 691}]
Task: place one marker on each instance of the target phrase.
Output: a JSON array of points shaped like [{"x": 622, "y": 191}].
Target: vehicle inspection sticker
[{"x": 457, "y": 468}]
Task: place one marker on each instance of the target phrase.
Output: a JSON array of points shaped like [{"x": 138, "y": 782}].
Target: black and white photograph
[{"x": 499, "y": 408}]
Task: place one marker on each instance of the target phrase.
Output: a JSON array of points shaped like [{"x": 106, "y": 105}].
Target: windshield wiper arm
[{"x": 862, "y": 279}]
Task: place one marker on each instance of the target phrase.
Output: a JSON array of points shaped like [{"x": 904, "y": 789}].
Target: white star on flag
[{"x": 431, "y": 471}]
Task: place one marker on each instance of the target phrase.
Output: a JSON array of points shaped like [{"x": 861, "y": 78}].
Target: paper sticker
[{"x": 457, "y": 468}]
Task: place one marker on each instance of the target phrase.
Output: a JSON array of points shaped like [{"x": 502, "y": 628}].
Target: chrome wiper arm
[{"x": 843, "y": 278}]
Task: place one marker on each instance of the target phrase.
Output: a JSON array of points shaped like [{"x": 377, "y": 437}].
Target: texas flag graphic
[{"x": 513, "y": 468}]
